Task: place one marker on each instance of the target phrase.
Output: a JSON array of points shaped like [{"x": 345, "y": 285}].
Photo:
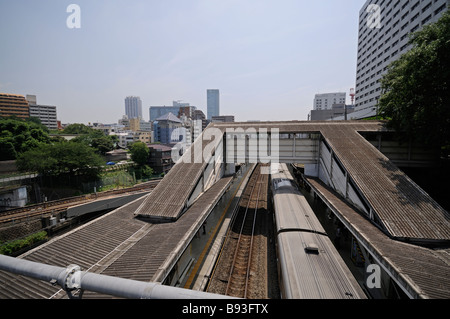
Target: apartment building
[{"x": 384, "y": 29}]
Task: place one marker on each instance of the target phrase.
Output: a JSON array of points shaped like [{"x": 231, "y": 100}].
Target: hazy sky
[{"x": 267, "y": 57}]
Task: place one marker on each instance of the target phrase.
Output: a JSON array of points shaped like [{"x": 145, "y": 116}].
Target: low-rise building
[{"x": 160, "y": 158}]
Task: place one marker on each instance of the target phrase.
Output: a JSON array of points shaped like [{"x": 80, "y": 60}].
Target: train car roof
[
  {"x": 293, "y": 212},
  {"x": 318, "y": 273}
]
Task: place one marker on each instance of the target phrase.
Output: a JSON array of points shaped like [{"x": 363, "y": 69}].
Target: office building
[
  {"x": 45, "y": 113},
  {"x": 163, "y": 128},
  {"x": 213, "y": 103},
  {"x": 326, "y": 101},
  {"x": 158, "y": 111},
  {"x": 178, "y": 109},
  {"x": 222, "y": 119},
  {"x": 133, "y": 107},
  {"x": 337, "y": 111},
  {"x": 384, "y": 29},
  {"x": 14, "y": 105}
]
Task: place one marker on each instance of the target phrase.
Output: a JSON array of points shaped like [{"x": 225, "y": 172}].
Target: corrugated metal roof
[
  {"x": 405, "y": 210},
  {"x": 426, "y": 271},
  {"x": 169, "y": 199},
  {"x": 116, "y": 244}
]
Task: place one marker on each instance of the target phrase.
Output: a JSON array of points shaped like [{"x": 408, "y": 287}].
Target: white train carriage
[
  {"x": 310, "y": 267},
  {"x": 293, "y": 211}
]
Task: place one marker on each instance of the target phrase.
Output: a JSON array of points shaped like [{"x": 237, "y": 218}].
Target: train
[{"x": 309, "y": 265}]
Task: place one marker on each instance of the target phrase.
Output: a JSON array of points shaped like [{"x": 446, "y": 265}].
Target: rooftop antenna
[{"x": 352, "y": 95}]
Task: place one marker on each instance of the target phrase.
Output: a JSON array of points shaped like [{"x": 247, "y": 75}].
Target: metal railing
[{"x": 72, "y": 279}]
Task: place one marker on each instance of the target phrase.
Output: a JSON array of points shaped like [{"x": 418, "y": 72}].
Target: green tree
[
  {"x": 102, "y": 144},
  {"x": 416, "y": 88},
  {"x": 62, "y": 157},
  {"x": 77, "y": 128},
  {"x": 139, "y": 153},
  {"x": 7, "y": 151},
  {"x": 22, "y": 135},
  {"x": 91, "y": 137},
  {"x": 37, "y": 123}
]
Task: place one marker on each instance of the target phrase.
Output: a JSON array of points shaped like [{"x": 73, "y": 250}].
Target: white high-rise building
[
  {"x": 46, "y": 113},
  {"x": 384, "y": 29},
  {"x": 326, "y": 100},
  {"x": 133, "y": 107},
  {"x": 213, "y": 103}
]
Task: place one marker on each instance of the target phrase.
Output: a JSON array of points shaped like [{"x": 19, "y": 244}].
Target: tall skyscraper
[
  {"x": 213, "y": 103},
  {"x": 384, "y": 27},
  {"x": 133, "y": 107}
]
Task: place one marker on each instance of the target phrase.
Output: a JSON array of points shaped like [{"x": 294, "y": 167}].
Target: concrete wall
[
  {"x": 15, "y": 197},
  {"x": 8, "y": 167}
]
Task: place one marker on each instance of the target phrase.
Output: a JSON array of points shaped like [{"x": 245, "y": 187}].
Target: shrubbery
[{"x": 13, "y": 246}]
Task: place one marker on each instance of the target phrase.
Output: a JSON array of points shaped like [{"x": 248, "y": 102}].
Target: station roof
[
  {"x": 424, "y": 272},
  {"x": 116, "y": 244},
  {"x": 404, "y": 209}
]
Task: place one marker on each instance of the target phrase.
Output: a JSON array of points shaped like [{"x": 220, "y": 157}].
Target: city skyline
[{"x": 261, "y": 55}]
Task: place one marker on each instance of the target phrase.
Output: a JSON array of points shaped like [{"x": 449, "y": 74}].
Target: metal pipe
[{"x": 72, "y": 278}]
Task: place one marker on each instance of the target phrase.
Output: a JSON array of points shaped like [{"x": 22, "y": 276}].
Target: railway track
[
  {"x": 57, "y": 206},
  {"x": 241, "y": 268}
]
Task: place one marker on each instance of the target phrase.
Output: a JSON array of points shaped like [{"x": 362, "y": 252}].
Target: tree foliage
[
  {"x": 61, "y": 157},
  {"x": 92, "y": 137},
  {"x": 17, "y": 136},
  {"x": 416, "y": 88},
  {"x": 139, "y": 153}
]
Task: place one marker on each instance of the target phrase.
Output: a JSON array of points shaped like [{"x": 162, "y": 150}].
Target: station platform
[{"x": 207, "y": 247}]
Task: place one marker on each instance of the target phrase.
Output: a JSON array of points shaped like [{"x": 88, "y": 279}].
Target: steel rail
[
  {"x": 240, "y": 234},
  {"x": 229, "y": 230},
  {"x": 247, "y": 276}
]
